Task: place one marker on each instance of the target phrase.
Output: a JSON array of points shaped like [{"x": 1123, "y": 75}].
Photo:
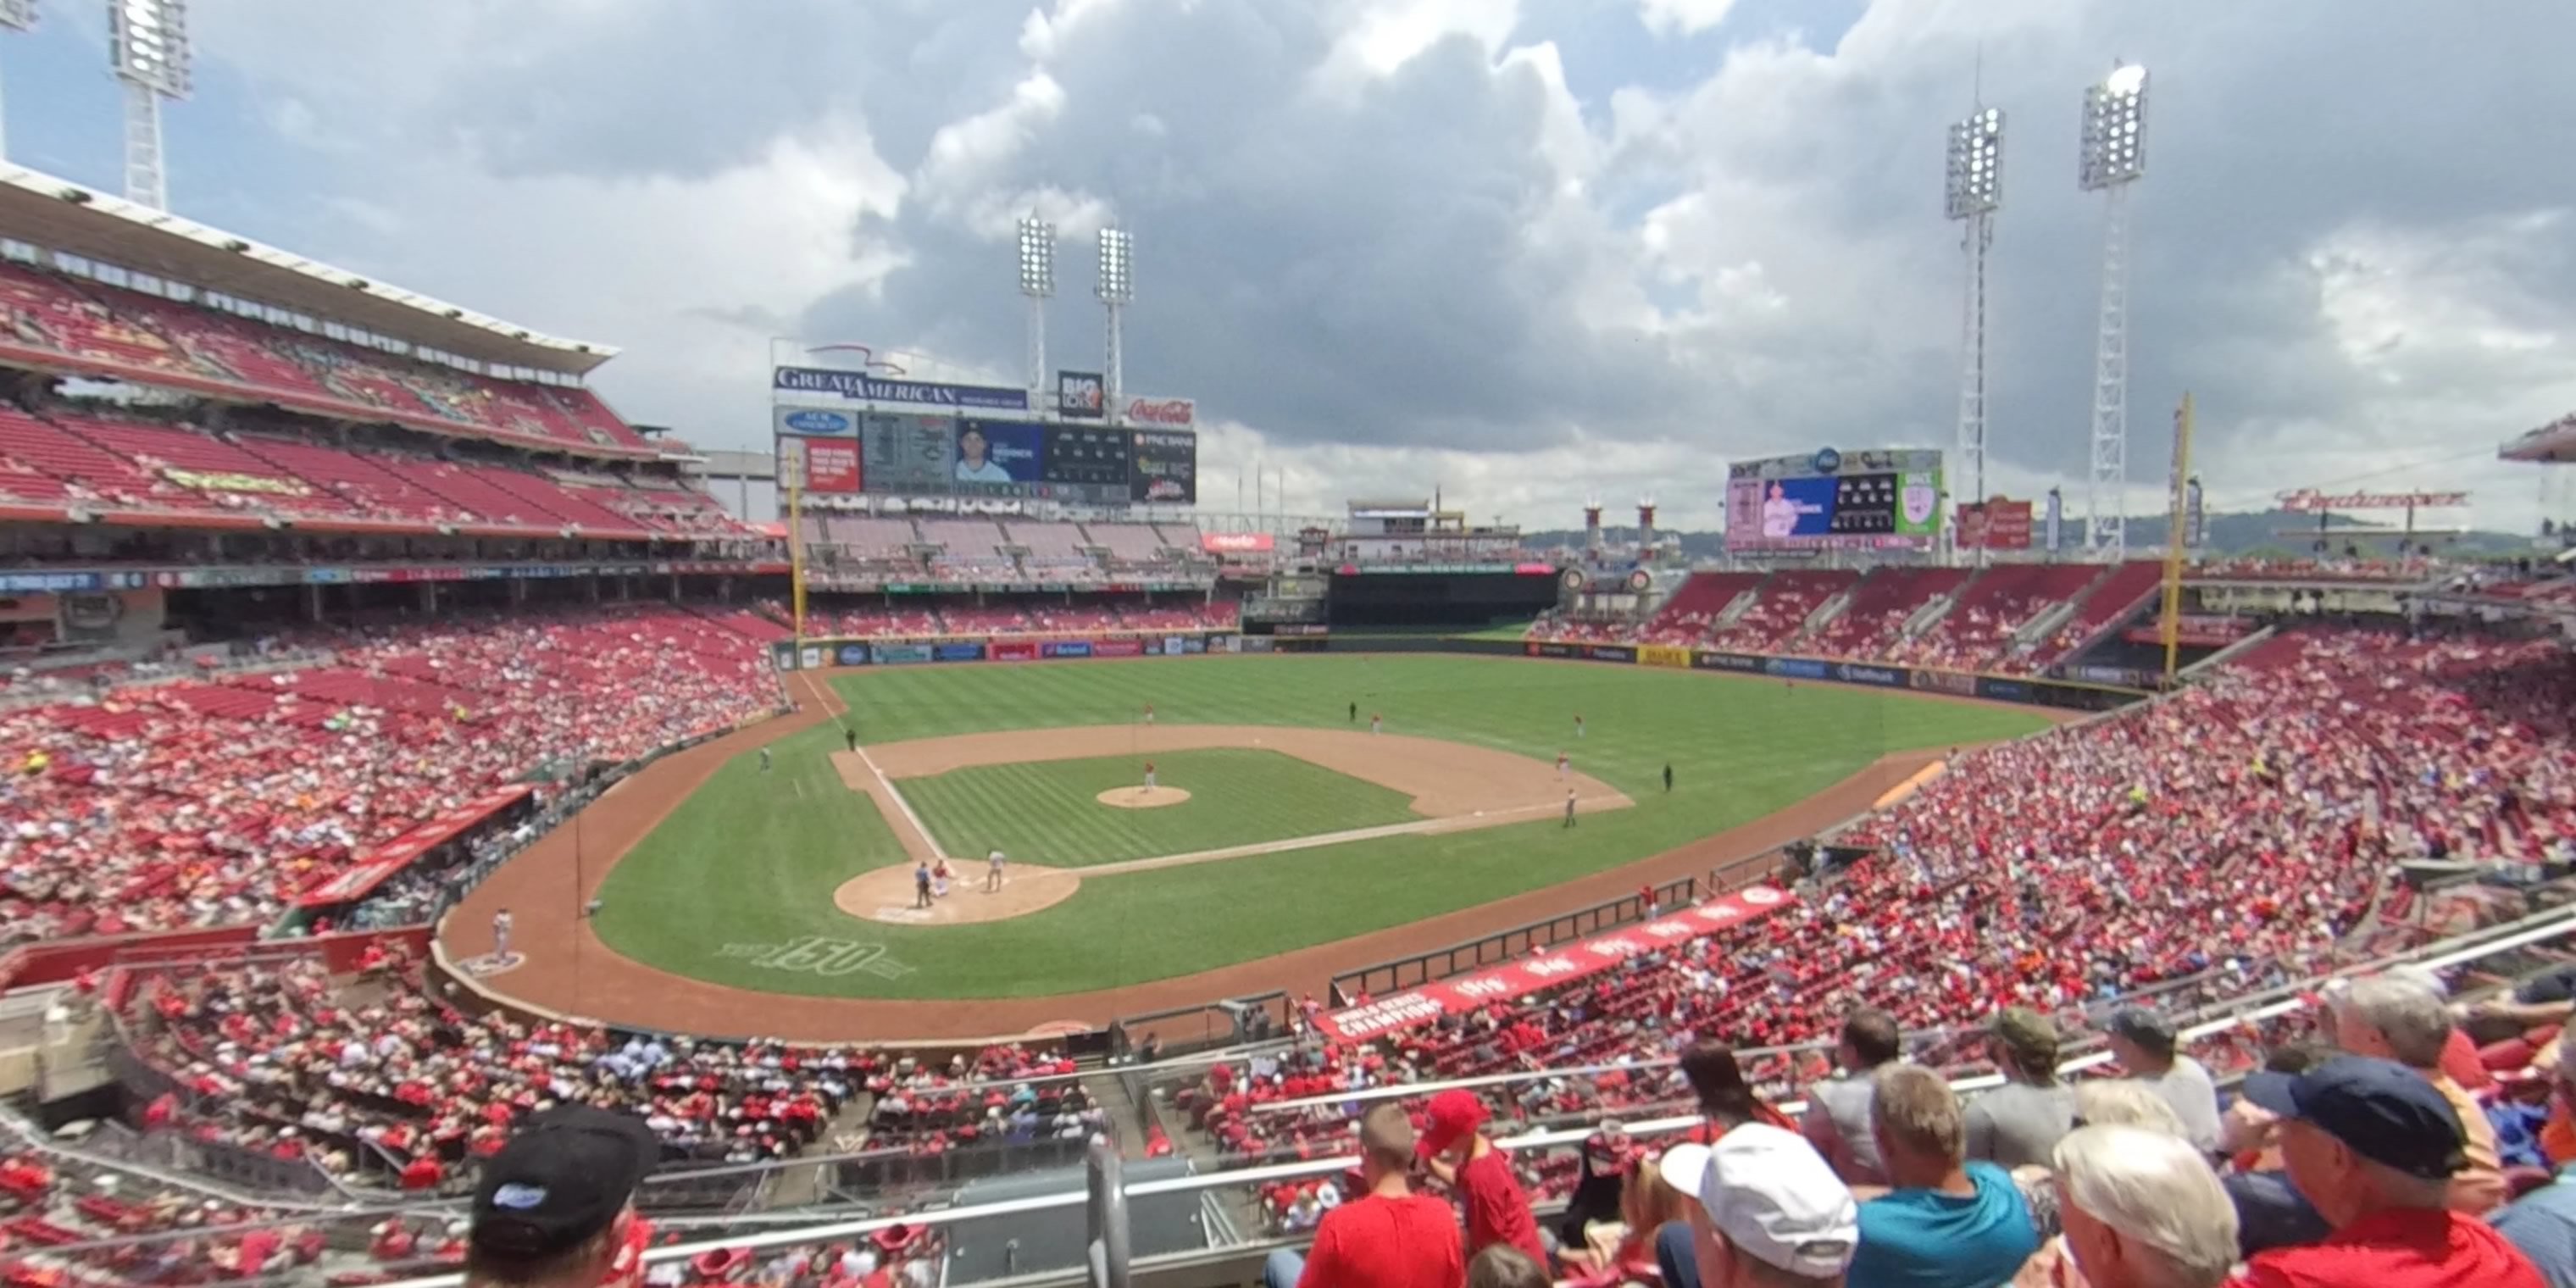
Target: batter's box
[{"x": 819, "y": 955}]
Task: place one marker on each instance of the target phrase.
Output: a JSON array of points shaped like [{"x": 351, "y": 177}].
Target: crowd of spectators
[
  {"x": 376, "y": 1077},
  {"x": 927, "y": 618},
  {"x": 49, "y": 1207},
  {"x": 218, "y": 802}
]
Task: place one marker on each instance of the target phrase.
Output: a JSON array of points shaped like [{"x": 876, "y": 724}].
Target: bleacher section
[
  {"x": 1879, "y": 608},
  {"x": 1687, "y": 616},
  {"x": 126, "y": 333},
  {"x": 1781, "y": 608},
  {"x": 1978, "y": 630},
  {"x": 2120, "y": 594}
]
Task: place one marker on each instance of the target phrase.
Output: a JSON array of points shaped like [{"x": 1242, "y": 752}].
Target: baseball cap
[
  {"x": 1773, "y": 1197},
  {"x": 1447, "y": 1120},
  {"x": 2381, "y": 1109},
  {"x": 561, "y": 1180},
  {"x": 2025, "y": 1031},
  {"x": 2147, "y": 1028}
]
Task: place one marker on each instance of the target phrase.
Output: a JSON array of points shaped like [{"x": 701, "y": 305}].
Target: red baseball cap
[{"x": 1450, "y": 1118}]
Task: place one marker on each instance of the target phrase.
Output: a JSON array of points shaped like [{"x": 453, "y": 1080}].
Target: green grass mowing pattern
[
  {"x": 1048, "y": 812},
  {"x": 747, "y": 861}
]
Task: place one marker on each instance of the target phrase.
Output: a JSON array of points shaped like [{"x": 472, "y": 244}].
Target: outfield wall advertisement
[{"x": 2094, "y": 692}]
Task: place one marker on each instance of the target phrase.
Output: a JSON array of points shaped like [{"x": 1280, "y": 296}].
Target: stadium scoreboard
[
  {"x": 1881, "y": 499},
  {"x": 853, "y": 432}
]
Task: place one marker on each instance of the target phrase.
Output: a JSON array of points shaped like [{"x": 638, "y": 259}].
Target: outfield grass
[
  {"x": 749, "y": 859},
  {"x": 1048, "y": 811}
]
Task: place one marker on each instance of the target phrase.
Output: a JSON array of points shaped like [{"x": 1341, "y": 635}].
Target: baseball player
[
  {"x": 1569, "y": 807},
  {"x": 1562, "y": 763},
  {"x": 764, "y": 760},
  {"x": 1149, "y": 713},
  {"x": 993, "y": 872},
  {"x": 500, "y": 935},
  {"x": 1377, "y": 723},
  {"x": 1149, "y": 775},
  {"x": 1578, "y": 725}
]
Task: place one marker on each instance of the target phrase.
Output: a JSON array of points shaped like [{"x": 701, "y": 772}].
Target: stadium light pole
[
  {"x": 1037, "y": 282},
  {"x": 2113, "y": 157},
  {"x": 15, "y": 15},
  {"x": 148, "y": 48},
  {"x": 1972, "y": 190},
  {"x": 1117, "y": 291}
]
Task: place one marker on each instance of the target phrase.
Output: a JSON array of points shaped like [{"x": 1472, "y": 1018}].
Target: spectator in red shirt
[
  {"x": 2374, "y": 1146},
  {"x": 1389, "y": 1237},
  {"x": 1455, "y": 1149}
]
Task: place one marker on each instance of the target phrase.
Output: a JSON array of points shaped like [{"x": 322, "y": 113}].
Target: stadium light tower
[
  {"x": 148, "y": 47},
  {"x": 1117, "y": 291},
  {"x": 1037, "y": 281},
  {"x": 1972, "y": 191},
  {"x": 15, "y": 15},
  {"x": 2114, "y": 156}
]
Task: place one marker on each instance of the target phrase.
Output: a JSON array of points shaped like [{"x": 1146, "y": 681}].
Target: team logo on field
[{"x": 817, "y": 955}]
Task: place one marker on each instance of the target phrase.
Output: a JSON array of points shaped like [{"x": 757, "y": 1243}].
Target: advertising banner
[
  {"x": 1855, "y": 673},
  {"x": 1945, "y": 682},
  {"x": 1726, "y": 661},
  {"x": 1065, "y": 648},
  {"x": 811, "y": 658},
  {"x": 826, "y": 464},
  {"x": 859, "y": 386},
  {"x": 378, "y": 865},
  {"x": 1224, "y": 643},
  {"x": 898, "y": 653},
  {"x": 1256, "y": 643},
  {"x": 2003, "y": 690},
  {"x": 1161, "y": 413},
  {"x": 1559, "y": 966},
  {"x": 1165, "y": 466},
  {"x": 1794, "y": 668},
  {"x": 2125, "y": 677},
  {"x": 1610, "y": 653},
  {"x": 1237, "y": 543},
  {"x": 852, "y": 654},
  {"x": 957, "y": 653},
  {"x": 1550, "y": 648},
  {"x": 798, "y": 422},
  {"x": 1081, "y": 395},
  {"x": 1663, "y": 655},
  {"x": 1013, "y": 651},
  {"x": 1193, "y": 644},
  {"x": 2055, "y": 522},
  {"x": 782, "y": 656},
  {"x": 1118, "y": 648},
  {"x": 1168, "y": 646},
  {"x": 2195, "y": 630}
]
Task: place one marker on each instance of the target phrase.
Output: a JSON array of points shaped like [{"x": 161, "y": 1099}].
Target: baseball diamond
[{"x": 1308, "y": 845}]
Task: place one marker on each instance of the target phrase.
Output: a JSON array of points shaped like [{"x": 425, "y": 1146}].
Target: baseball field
[{"x": 1284, "y": 834}]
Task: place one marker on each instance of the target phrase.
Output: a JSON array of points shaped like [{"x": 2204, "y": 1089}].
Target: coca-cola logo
[{"x": 1162, "y": 411}]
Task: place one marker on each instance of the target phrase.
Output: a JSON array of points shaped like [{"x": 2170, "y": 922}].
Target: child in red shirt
[{"x": 1498, "y": 1210}]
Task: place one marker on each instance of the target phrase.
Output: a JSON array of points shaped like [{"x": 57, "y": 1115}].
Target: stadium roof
[
  {"x": 60, "y": 215},
  {"x": 2555, "y": 441}
]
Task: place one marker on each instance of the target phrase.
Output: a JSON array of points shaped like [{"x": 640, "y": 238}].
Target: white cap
[{"x": 1772, "y": 1196}]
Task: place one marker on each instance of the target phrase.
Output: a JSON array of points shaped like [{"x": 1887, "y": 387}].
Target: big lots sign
[
  {"x": 1561, "y": 965},
  {"x": 1172, "y": 413}
]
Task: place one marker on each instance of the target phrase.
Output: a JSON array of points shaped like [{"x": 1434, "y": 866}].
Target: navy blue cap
[
  {"x": 2381, "y": 1109},
  {"x": 560, "y": 1181}
]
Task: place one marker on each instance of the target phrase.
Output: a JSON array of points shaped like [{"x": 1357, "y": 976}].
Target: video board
[
  {"x": 1010, "y": 458},
  {"x": 1884, "y": 499}
]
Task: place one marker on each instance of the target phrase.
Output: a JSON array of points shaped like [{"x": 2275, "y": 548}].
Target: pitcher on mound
[{"x": 1149, "y": 775}]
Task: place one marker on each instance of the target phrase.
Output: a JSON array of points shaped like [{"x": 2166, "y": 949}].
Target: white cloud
[{"x": 1682, "y": 17}]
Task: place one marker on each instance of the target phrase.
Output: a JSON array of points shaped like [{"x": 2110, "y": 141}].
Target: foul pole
[{"x": 2171, "y": 627}]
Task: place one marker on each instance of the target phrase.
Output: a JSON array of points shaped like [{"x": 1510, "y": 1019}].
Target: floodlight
[
  {"x": 1975, "y": 181},
  {"x": 2115, "y": 129},
  {"x": 1037, "y": 258},
  {"x": 1117, "y": 252},
  {"x": 148, "y": 44}
]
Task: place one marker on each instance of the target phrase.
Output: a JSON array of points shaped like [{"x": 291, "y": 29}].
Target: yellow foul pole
[{"x": 2175, "y": 534}]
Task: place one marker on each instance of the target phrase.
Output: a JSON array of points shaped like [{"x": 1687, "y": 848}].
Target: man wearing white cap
[{"x": 1771, "y": 1212}]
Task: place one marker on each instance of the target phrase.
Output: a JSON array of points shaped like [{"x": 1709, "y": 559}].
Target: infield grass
[
  {"x": 1048, "y": 811},
  {"x": 754, "y": 858}
]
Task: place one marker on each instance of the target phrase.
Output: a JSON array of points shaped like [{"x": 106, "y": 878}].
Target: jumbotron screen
[
  {"x": 1882, "y": 499},
  {"x": 949, "y": 454}
]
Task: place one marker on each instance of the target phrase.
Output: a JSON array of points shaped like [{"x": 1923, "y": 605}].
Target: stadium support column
[
  {"x": 2113, "y": 157},
  {"x": 1117, "y": 291},
  {"x": 148, "y": 48},
  {"x": 1972, "y": 192},
  {"x": 15, "y": 15},
  {"x": 1037, "y": 282},
  {"x": 1592, "y": 531},
  {"x": 1646, "y": 531}
]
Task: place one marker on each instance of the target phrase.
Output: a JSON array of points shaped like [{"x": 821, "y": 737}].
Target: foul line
[
  {"x": 900, "y": 803},
  {"x": 1453, "y": 823}
]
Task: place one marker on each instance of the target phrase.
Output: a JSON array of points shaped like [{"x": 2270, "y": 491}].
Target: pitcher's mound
[
  {"x": 887, "y": 895},
  {"x": 1142, "y": 797}
]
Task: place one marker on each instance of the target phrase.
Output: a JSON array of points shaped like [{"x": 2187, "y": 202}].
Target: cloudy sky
[{"x": 1524, "y": 250}]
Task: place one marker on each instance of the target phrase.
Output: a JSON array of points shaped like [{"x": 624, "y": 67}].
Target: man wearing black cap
[
  {"x": 555, "y": 1208},
  {"x": 2146, "y": 1045},
  {"x": 2373, "y": 1146}
]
